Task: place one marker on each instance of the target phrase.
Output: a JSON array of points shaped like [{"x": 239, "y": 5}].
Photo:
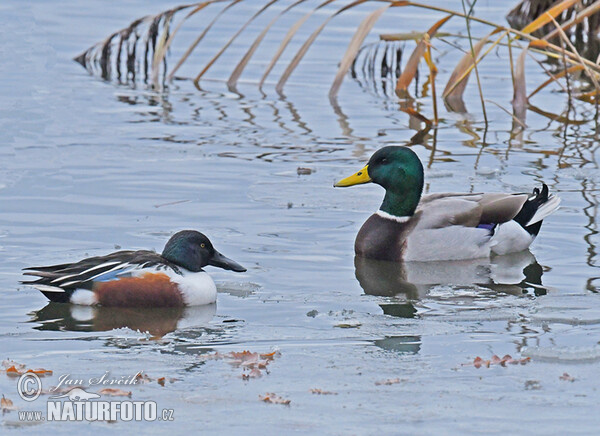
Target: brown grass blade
[
  {"x": 587, "y": 12},
  {"x": 547, "y": 16},
  {"x": 588, "y": 97},
  {"x": 457, "y": 83},
  {"x": 519, "y": 102},
  {"x": 166, "y": 39},
  {"x": 239, "y": 68},
  {"x": 555, "y": 77},
  {"x": 514, "y": 117},
  {"x": 200, "y": 37},
  {"x": 160, "y": 50},
  {"x": 304, "y": 48},
  {"x": 233, "y": 38},
  {"x": 566, "y": 39},
  {"x": 417, "y": 115},
  {"x": 413, "y": 62},
  {"x": 286, "y": 40},
  {"x": 558, "y": 118},
  {"x": 432, "y": 73},
  {"x": 359, "y": 36}
]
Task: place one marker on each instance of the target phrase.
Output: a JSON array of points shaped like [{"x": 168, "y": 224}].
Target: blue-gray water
[{"x": 87, "y": 166}]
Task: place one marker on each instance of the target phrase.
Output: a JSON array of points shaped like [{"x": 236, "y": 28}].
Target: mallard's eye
[{"x": 202, "y": 245}]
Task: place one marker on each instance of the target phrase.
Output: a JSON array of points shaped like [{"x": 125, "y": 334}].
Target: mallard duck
[
  {"x": 410, "y": 226},
  {"x": 138, "y": 278}
]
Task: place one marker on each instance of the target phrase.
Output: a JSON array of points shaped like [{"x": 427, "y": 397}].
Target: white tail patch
[
  {"x": 545, "y": 209},
  {"x": 83, "y": 297},
  {"x": 510, "y": 237}
]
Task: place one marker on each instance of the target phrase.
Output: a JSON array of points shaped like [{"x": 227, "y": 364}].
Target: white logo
[{"x": 29, "y": 386}]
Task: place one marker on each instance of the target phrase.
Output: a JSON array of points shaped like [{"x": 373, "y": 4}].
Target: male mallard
[
  {"x": 443, "y": 226},
  {"x": 138, "y": 278}
]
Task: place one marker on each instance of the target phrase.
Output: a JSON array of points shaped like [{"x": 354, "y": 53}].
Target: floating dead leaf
[
  {"x": 161, "y": 381},
  {"x": 270, "y": 397},
  {"x": 6, "y": 404},
  {"x": 14, "y": 369},
  {"x": 254, "y": 373},
  {"x": 389, "y": 381},
  {"x": 478, "y": 362},
  {"x": 270, "y": 356},
  {"x": 249, "y": 361},
  {"x": 114, "y": 392},
  {"x": 304, "y": 171},
  {"x": 13, "y": 372},
  {"x": 143, "y": 378},
  {"x": 532, "y": 385},
  {"x": 322, "y": 392},
  {"x": 8, "y": 363},
  {"x": 567, "y": 377},
  {"x": 347, "y": 325}
]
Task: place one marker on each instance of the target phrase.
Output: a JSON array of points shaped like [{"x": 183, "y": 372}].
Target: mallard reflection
[
  {"x": 517, "y": 274},
  {"x": 156, "y": 321}
]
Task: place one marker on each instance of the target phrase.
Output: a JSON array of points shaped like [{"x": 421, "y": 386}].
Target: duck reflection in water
[
  {"x": 516, "y": 274},
  {"x": 155, "y": 321}
]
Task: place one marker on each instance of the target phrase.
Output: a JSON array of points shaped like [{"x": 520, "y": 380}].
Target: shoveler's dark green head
[
  {"x": 192, "y": 250},
  {"x": 400, "y": 172}
]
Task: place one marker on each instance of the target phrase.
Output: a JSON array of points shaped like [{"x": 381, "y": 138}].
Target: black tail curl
[{"x": 530, "y": 208}]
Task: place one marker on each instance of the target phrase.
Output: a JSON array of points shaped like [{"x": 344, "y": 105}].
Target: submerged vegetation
[{"x": 563, "y": 33}]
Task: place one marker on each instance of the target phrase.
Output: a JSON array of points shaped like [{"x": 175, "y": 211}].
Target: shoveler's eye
[{"x": 202, "y": 245}]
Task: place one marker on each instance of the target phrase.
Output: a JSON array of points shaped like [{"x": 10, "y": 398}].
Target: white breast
[
  {"x": 198, "y": 288},
  {"x": 510, "y": 237}
]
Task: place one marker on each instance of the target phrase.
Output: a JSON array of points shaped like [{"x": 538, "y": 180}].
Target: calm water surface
[{"x": 87, "y": 167}]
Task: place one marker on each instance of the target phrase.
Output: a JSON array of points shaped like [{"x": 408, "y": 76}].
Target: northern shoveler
[
  {"x": 443, "y": 226},
  {"x": 138, "y": 278}
]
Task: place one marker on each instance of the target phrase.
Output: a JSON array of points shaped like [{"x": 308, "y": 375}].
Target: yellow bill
[{"x": 355, "y": 179}]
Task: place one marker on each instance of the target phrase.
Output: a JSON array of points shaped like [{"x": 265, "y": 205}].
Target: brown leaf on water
[
  {"x": 11, "y": 363},
  {"x": 114, "y": 392},
  {"x": 567, "y": 377},
  {"x": 389, "y": 381},
  {"x": 273, "y": 398},
  {"x": 13, "y": 372},
  {"x": 6, "y": 404},
  {"x": 14, "y": 369},
  {"x": 322, "y": 392},
  {"x": 478, "y": 362},
  {"x": 247, "y": 360},
  {"x": 161, "y": 381},
  {"x": 254, "y": 373},
  {"x": 142, "y": 378}
]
